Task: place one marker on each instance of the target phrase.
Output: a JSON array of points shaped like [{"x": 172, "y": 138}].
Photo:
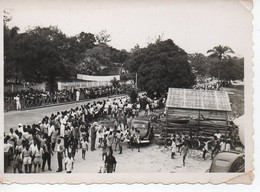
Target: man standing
[
  {"x": 110, "y": 163},
  {"x": 93, "y": 137},
  {"x": 120, "y": 141},
  {"x": 60, "y": 150},
  {"x": 18, "y": 104},
  {"x": 77, "y": 95},
  {"x": 27, "y": 159},
  {"x": 47, "y": 152}
]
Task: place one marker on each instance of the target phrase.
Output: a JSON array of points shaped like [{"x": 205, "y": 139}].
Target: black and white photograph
[{"x": 117, "y": 88}]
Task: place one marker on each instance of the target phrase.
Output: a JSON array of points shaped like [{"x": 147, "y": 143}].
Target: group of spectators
[
  {"x": 33, "y": 98},
  {"x": 210, "y": 84},
  {"x": 181, "y": 144},
  {"x": 66, "y": 132}
]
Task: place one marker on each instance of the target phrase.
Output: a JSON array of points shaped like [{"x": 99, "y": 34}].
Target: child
[
  {"x": 173, "y": 149},
  {"x": 69, "y": 163},
  {"x": 84, "y": 145},
  {"x": 205, "y": 149},
  {"x": 37, "y": 157},
  {"x": 18, "y": 161},
  {"x": 138, "y": 140},
  {"x": 27, "y": 159},
  {"x": 184, "y": 151}
]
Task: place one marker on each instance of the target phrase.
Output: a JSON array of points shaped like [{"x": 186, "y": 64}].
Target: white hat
[{"x": 20, "y": 125}]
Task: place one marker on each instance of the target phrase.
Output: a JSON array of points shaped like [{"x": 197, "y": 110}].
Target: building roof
[{"x": 198, "y": 99}]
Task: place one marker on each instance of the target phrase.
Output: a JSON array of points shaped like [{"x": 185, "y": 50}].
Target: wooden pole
[
  {"x": 199, "y": 122},
  {"x": 136, "y": 80},
  {"x": 166, "y": 120},
  {"x": 226, "y": 127}
]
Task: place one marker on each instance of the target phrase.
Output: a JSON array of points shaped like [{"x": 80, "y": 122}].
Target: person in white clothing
[
  {"x": 18, "y": 104},
  {"x": 51, "y": 129},
  {"x": 77, "y": 95},
  {"x": 69, "y": 163},
  {"x": 228, "y": 146},
  {"x": 218, "y": 135},
  {"x": 174, "y": 149},
  {"x": 20, "y": 128}
]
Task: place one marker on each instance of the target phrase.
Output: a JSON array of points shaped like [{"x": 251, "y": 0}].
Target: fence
[
  {"x": 30, "y": 102},
  {"x": 13, "y": 88}
]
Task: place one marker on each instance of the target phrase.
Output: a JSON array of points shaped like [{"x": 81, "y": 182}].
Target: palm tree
[{"x": 220, "y": 52}]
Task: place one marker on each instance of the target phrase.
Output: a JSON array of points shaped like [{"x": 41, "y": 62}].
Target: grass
[{"x": 236, "y": 97}]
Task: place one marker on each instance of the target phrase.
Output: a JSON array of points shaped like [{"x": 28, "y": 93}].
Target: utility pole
[{"x": 136, "y": 80}]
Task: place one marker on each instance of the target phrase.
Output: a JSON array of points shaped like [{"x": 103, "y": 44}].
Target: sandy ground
[{"x": 152, "y": 158}]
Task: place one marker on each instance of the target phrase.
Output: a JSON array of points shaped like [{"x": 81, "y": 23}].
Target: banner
[
  {"x": 78, "y": 85},
  {"x": 97, "y": 78}
]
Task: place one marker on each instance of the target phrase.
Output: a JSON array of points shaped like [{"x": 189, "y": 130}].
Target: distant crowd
[
  {"x": 33, "y": 98},
  {"x": 210, "y": 84}
]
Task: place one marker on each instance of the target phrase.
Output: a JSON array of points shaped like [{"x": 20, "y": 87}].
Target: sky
[{"x": 195, "y": 26}]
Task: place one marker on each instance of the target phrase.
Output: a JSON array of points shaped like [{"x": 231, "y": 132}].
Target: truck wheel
[
  {"x": 195, "y": 144},
  {"x": 167, "y": 142}
]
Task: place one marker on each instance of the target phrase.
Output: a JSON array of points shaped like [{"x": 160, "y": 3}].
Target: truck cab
[{"x": 145, "y": 128}]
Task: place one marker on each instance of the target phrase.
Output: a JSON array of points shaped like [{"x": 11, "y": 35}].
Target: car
[
  {"x": 228, "y": 161},
  {"x": 145, "y": 128}
]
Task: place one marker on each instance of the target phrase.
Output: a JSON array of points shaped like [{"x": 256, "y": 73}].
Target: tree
[
  {"x": 11, "y": 69},
  {"x": 40, "y": 53},
  {"x": 77, "y": 46},
  {"x": 231, "y": 69},
  {"x": 103, "y": 37},
  {"x": 162, "y": 65},
  {"x": 199, "y": 62},
  {"x": 220, "y": 52}
]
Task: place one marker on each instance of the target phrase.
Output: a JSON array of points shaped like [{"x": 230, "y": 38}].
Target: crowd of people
[
  {"x": 30, "y": 148},
  {"x": 33, "y": 98},
  {"x": 181, "y": 144},
  {"x": 210, "y": 84}
]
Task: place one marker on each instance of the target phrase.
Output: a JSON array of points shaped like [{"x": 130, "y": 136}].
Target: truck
[{"x": 144, "y": 126}]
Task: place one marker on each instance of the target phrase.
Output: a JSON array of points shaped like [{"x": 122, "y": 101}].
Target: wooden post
[
  {"x": 166, "y": 120},
  {"x": 226, "y": 127},
  {"x": 199, "y": 122},
  {"x": 136, "y": 80}
]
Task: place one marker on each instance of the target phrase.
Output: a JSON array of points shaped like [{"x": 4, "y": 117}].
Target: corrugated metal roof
[{"x": 198, "y": 99}]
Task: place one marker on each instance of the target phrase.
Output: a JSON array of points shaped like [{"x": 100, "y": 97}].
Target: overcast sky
[{"x": 195, "y": 27}]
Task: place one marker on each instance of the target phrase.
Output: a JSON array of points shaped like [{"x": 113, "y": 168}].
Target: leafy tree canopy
[{"x": 161, "y": 65}]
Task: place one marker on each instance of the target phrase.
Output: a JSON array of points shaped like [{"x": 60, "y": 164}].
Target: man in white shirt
[
  {"x": 20, "y": 127},
  {"x": 51, "y": 129},
  {"x": 77, "y": 95},
  {"x": 60, "y": 150},
  {"x": 18, "y": 104}
]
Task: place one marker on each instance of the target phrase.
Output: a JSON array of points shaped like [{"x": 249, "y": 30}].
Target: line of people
[{"x": 32, "y": 98}]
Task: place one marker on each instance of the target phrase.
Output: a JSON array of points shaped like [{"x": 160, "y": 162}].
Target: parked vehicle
[
  {"x": 228, "y": 162},
  {"x": 145, "y": 128}
]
